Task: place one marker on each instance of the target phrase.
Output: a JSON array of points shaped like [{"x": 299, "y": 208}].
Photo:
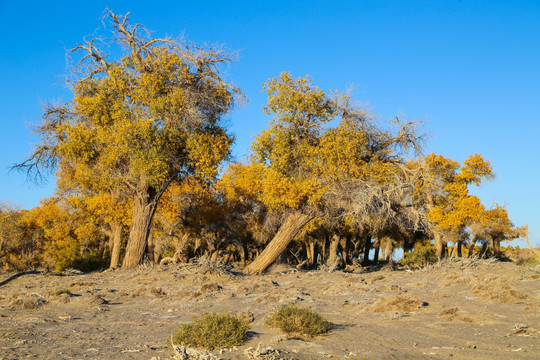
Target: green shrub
[
  {"x": 298, "y": 323},
  {"x": 212, "y": 331},
  {"x": 422, "y": 255}
]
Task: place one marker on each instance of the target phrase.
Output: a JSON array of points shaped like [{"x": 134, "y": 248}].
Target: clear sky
[{"x": 469, "y": 69}]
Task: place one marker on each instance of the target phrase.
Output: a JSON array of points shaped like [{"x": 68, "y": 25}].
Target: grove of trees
[{"x": 141, "y": 158}]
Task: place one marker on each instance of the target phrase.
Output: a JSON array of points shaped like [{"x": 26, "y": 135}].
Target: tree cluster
[{"x": 137, "y": 155}]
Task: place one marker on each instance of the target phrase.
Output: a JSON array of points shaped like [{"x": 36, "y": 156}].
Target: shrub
[
  {"x": 61, "y": 291},
  {"x": 298, "y": 323},
  {"x": 212, "y": 331},
  {"x": 422, "y": 255}
]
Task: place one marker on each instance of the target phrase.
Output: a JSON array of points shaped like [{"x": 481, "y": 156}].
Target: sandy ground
[{"x": 459, "y": 310}]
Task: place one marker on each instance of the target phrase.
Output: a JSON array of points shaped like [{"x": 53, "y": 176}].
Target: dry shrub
[
  {"x": 32, "y": 301},
  {"x": 400, "y": 303},
  {"x": 61, "y": 291},
  {"x": 298, "y": 323},
  {"x": 419, "y": 284},
  {"x": 452, "y": 279},
  {"x": 376, "y": 278},
  {"x": 97, "y": 299},
  {"x": 210, "y": 287},
  {"x": 62, "y": 295},
  {"x": 389, "y": 288},
  {"x": 157, "y": 291},
  {"x": 523, "y": 257},
  {"x": 498, "y": 291},
  {"x": 212, "y": 331},
  {"x": 453, "y": 313}
]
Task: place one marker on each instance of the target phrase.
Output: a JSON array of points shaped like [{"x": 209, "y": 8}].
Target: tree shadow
[{"x": 17, "y": 275}]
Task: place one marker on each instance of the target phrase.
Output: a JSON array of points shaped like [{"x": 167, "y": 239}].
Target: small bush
[
  {"x": 298, "y": 323},
  {"x": 212, "y": 331},
  {"x": 422, "y": 255},
  {"x": 61, "y": 291}
]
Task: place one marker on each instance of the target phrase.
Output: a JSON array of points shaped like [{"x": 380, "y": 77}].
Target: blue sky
[{"x": 469, "y": 69}]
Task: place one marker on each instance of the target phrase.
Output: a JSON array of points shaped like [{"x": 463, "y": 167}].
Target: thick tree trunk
[
  {"x": 311, "y": 252},
  {"x": 116, "y": 244},
  {"x": 439, "y": 246},
  {"x": 287, "y": 231},
  {"x": 144, "y": 208},
  {"x": 497, "y": 248},
  {"x": 343, "y": 242},
  {"x": 324, "y": 250},
  {"x": 333, "y": 251},
  {"x": 389, "y": 250}
]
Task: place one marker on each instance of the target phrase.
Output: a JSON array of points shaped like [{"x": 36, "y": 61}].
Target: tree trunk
[
  {"x": 287, "y": 231},
  {"x": 323, "y": 251},
  {"x": 484, "y": 249},
  {"x": 389, "y": 250},
  {"x": 377, "y": 247},
  {"x": 344, "y": 247},
  {"x": 472, "y": 246},
  {"x": 144, "y": 208},
  {"x": 150, "y": 247},
  {"x": 439, "y": 246},
  {"x": 333, "y": 251},
  {"x": 459, "y": 249},
  {"x": 311, "y": 252},
  {"x": 497, "y": 248},
  {"x": 367, "y": 248},
  {"x": 116, "y": 244}
]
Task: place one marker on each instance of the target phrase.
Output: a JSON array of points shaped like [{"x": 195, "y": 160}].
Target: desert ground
[{"x": 459, "y": 309}]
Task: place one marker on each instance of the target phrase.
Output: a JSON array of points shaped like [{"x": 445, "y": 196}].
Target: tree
[
  {"x": 493, "y": 226},
  {"x": 21, "y": 241},
  {"x": 444, "y": 188},
  {"x": 315, "y": 144},
  {"x": 99, "y": 199},
  {"x": 144, "y": 121}
]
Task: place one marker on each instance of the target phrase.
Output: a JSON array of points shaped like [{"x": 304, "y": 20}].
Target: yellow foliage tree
[
  {"x": 444, "y": 186},
  {"x": 143, "y": 121},
  {"x": 314, "y": 141}
]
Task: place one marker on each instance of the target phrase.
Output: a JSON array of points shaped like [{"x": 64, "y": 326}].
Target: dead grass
[
  {"x": 497, "y": 290},
  {"x": 454, "y": 313},
  {"x": 31, "y": 301},
  {"x": 400, "y": 303}
]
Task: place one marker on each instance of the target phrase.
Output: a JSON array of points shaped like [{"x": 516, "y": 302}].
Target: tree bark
[
  {"x": 344, "y": 247},
  {"x": 144, "y": 208},
  {"x": 311, "y": 252},
  {"x": 367, "y": 248},
  {"x": 116, "y": 244},
  {"x": 333, "y": 251},
  {"x": 287, "y": 231},
  {"x": 439, "y": 246},
  {"x": 150, "y": 250},
  {"x": 389, "y": 250},
  {"x": 497, "y": 248},
  {"x": 377, "y": 247}
]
